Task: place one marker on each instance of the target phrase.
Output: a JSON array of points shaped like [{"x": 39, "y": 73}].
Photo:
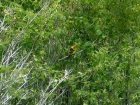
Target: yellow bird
[{"x": 72, "y": 50}]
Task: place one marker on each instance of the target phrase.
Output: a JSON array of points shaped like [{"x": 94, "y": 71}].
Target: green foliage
[{"x": 105, "y": 67}]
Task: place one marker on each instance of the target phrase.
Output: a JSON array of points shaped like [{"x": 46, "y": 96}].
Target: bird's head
[{"x": 73, "y": 47}]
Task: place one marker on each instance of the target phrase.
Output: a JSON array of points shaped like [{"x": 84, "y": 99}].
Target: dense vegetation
[{"x": 36, "y": 36}]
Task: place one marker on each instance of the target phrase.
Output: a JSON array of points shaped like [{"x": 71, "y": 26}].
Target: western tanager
[{"x": 72, "y": 50}]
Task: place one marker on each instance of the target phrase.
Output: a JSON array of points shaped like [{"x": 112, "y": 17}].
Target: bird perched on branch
[{"x": 72, "y": 51}]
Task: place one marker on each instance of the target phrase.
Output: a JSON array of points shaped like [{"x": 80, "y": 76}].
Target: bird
[{"x": 72, "y": 50}]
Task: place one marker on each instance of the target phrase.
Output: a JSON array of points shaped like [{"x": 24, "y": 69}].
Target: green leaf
[
  {"x": 87, "y": 44},
  {"x": 99, "y": 32}
]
